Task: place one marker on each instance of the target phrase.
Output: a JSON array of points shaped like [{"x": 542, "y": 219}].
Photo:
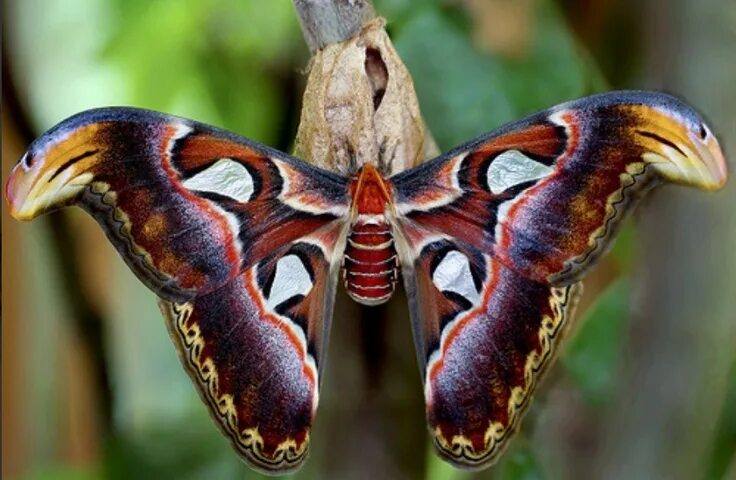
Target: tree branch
[{"x": 325, "y": 22}]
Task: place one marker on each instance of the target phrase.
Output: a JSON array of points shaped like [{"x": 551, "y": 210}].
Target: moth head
[
  {"x": 54, "y": 171},
  {"x": 679, "y": 145},
  {"x": 370, "y": 191}
]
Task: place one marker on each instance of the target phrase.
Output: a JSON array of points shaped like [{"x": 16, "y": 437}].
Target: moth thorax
[{"x": 370, "y": 265}]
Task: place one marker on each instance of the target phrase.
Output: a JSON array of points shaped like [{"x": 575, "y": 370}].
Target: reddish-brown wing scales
[{"x": 245, "y": 349}]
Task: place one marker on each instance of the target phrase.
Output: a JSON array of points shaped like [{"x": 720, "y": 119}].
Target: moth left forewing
[
  {"x": 495, "y": 235},
  {"x": 145, "y": 176}
]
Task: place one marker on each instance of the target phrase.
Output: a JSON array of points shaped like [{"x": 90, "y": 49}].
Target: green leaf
[
  {"x": 213, "y": 60},
  {"x": 177, "y": 449},
  {"x": 554, "y": 70}
]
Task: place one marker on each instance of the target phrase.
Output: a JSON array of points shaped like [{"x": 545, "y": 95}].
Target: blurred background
[{"x": 646, "y": 384}]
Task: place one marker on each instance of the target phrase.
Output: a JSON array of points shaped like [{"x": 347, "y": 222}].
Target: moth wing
[
  {"x": 254, "y": 349},
  {"x": 240, "y": 242},
  {"x": 495, "y": 235}
]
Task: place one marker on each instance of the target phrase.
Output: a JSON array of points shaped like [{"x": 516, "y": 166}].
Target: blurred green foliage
[
  {"x": 464, "y": 92},
  {"x": 592, "y": 354},
  {"x": 220, "y": 59},
  {"x": 725, "y": 439},
  {"x": 236, "y": 64}
]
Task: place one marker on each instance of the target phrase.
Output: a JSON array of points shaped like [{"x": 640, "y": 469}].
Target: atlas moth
[{"x": 245, "y": 247}]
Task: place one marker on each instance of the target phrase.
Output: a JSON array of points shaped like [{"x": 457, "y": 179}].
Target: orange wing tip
[
  {"x": 33, "y": 191},
  {"x": 680, "y": 146},
  {"x": 17, "y": 190},
  {"x": 716, "y": 166},
  {"x": 14, "y": 198}
]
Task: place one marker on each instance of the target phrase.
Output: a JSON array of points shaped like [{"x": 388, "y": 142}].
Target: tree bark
[{"x": 325, "y": 22}]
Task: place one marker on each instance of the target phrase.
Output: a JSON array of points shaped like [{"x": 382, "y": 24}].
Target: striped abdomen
[{"x": 370, "y": 265}]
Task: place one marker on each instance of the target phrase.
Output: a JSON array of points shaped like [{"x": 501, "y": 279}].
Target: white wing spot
[
  {"x": 512, "y": 168},
  {"x": 225, "y": 177},
  {"x": 453, "y": 274},
  {"x": 290, "y": 279}
]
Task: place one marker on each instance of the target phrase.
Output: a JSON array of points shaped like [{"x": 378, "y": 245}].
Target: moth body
[{"x": 370, "y": 264}]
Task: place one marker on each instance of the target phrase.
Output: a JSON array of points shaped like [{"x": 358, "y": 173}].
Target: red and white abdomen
[{"x": 370, "y": 264}]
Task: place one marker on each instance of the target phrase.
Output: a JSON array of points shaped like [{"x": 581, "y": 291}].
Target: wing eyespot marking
[
  {"x": 453, "y": 274},
  {"x": 290, "y": 279},
  {"x": 225, "y": 177},
  {"x": 512, "y": 168},
  {"x": 703, "y": 132},
  {"x": 26, "y": 161}
]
